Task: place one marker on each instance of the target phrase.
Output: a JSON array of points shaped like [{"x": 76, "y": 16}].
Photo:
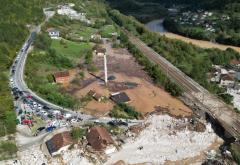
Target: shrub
[
  {"x": 124, "y": 111},
  {"x": 78, "y": 133},
  {"x": 7, "y": 150}
]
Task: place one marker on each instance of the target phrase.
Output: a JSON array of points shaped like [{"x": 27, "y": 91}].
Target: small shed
[
  {"x": 120, "y": 97},
  {"x": 98, "y": 97}
]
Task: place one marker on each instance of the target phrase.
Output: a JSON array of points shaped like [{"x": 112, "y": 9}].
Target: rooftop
[
  {"x": 99, "y": 138},
  {"x": 58, "y": 141},
  {"x": 120, "y": 97},
  {"x": 227, "y": 77},
  {"x": 52, "y": 30},
  {"x": 61, "y": 74}
]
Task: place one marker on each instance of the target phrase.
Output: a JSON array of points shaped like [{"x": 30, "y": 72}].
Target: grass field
[
  {"x": 107, "y": 30},
  {"x": 70, "y": 49},
  {"x": 86, "y": 32},
  {"x": 42, "y": 64}
]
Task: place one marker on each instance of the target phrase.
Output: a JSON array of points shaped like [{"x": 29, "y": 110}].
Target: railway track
[
  {"x": 215, "y": 107},
  {"x": 166, "y": 67}
]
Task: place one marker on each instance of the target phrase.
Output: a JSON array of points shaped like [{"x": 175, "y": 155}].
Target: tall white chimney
[{"x": 105, "y": 69}]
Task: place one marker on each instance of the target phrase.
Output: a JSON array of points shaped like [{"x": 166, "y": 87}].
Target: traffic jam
[
  {"x": 28, "y": 108},
  {"x": 34, "y": 113}
]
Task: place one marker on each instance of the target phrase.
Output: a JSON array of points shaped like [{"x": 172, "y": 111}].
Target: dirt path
[{"x": 200, "y": 43}]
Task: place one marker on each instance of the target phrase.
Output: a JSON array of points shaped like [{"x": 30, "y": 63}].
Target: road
[
  {"x": 17, "y": 81},
  {"x": 215, "y": 107}
]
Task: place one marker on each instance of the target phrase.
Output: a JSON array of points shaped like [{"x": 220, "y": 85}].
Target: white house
[
  {"x": 53, "y": 33},
  {"x": 226, "y": 80}
]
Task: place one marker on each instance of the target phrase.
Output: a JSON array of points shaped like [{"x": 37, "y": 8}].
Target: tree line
[{"x": 193, "y": 61}]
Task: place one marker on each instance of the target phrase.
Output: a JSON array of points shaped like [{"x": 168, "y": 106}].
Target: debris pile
[{"x": 161, "y": 141}]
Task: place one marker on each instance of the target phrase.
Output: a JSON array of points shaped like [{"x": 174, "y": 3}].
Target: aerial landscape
[{"x": 110, "y": 82}]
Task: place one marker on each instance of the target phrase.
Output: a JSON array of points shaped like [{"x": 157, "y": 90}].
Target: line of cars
[{"x": 29, "y": 106}]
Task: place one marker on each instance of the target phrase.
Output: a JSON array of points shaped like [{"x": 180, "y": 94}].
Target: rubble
[
  {"x": 160, "y": 141},
  {"x": 36, "y": 156}
]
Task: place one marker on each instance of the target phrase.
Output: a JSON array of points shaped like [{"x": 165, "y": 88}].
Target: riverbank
[
  {"x": 200, "y": 43},
  {"x": 157, "y": 26}
]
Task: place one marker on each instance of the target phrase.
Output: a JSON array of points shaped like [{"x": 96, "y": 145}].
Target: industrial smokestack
[{"x": 105, "y": 69}]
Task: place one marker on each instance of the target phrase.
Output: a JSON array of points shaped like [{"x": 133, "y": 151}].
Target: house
[
  {"x": 98, "y": 97},
  {"x": 59, "y": 143},
  {"x": 235, "y": 63},
  {"x": 226, "y": 80},
  {"x": 62, "y": 77},
  {"x": 224, "y": 71},
  {"x": 100, "y": 140},
  {"x": 120, "y": 97},
  {"x": 99, "y": 51},
  {"x": 96, "y": 37},
  {"x": 53, "y": 33}
]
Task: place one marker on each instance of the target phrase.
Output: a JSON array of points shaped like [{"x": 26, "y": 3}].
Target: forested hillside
[
  {"x": 143, "y": 10},
  {"x": 212, "y": 20},
  {"x": 204, "y": 4}
]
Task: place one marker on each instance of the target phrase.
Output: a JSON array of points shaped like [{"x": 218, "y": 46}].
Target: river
[{"x": 157, "y": 26}]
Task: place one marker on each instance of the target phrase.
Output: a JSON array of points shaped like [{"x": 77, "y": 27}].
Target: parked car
[
  {"x": 46, "y": 107},
  {"x": 34, "y": 104},
  {"x": 117, "y": 122},
  {"x": 67, "y": 115},
  {"x": 40, "y": 106},
  {"x": 44, "y": 113},
  {"x": 40, "y": 129},
  {"x": 50, "y": 128}
]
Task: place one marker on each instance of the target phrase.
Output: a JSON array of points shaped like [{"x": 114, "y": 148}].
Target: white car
[
  {"x": 40, "y": 106},
  {"x": 44, "y": 113},
  {"x": 34, "y": 104},
  {"x": 56, "y": 112},
  {"x": 67, "y": 115}
]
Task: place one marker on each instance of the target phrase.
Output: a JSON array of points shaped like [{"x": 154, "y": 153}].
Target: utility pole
[{"x": 105, "y": 69}]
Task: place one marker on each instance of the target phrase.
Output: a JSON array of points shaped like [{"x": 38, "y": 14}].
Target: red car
[
  {"x": 29, "y": 97},
  {"x": 27, "y": 122}
]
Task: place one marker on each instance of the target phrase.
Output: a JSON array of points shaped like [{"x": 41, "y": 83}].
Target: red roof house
[
  {"x": 62, "y": 77},
  {"x": 99, "y": 138},
  {"x": 59, "y": 142}
]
